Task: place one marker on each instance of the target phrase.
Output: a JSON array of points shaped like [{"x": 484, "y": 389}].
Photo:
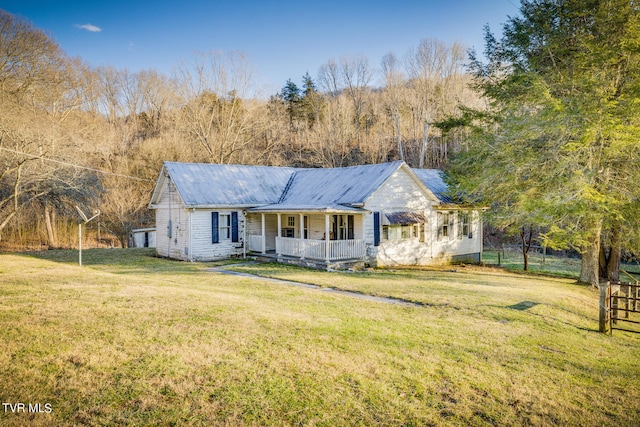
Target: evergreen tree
[
  {"x": 290, "y": 94},
  {"x": 560, "y": 144},
  {"x": 311, "y": 102}
]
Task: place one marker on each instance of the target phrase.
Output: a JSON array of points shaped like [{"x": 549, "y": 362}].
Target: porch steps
[{"x": 344, "y": 264}]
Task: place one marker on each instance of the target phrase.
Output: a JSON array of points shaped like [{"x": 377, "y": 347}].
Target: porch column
[
  {"x": 364, "y": 226},
  {"x": 301, "y": 245},
  {"x": 264, "y": 236},
  {"x": 327, "y": 240},
  {"x": 279, "y": 234},
  {"x": 301, "y": 226}
]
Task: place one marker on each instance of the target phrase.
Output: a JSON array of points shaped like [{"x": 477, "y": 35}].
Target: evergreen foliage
[{"x": 560, "y": 147}]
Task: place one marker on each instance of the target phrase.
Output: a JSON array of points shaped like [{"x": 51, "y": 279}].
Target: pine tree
[{"x": 290, "y": 94}]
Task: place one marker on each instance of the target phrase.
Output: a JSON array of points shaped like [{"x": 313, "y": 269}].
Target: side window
[
  {"x": 445, "y": 225},
  {"x": 225, "y": 226}
]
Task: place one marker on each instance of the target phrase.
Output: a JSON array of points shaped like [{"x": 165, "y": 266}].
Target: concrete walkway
[{"x": 386, "y": 300}]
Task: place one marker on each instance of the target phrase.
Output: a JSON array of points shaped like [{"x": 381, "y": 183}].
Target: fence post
[{"x": 604, "y": 286}]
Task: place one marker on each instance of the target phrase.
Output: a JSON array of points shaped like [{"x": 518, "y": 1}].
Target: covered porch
[{"x": 327, "y": 236}]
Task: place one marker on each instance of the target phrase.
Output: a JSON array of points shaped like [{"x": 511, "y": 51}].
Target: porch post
[
  {"x": 364, "y": 226},
  {"x": 244, "y": 234},
  {"x": 279, "y": 233},
  {"x": 264, "y": 236},
  {"x": 327, "y": 239},
  {"x": 301, "y": 226}
]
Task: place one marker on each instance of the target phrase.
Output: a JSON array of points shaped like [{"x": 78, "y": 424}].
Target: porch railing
[
  {"x": 255, "y": 243},
  {"x": 317, "y": 249}
]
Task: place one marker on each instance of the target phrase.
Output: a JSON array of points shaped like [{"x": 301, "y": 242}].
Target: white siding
[
  {"x": 202, "y": 248},
  {"x": 447, "y": 248},
  {"x": 401, "y": 193},
  {"x": 171, "y": 242}
]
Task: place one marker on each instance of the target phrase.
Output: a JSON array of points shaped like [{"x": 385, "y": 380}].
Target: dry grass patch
[{"x": 145, "y": 341}]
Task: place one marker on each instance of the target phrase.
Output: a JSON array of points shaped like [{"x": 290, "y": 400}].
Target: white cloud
[{"x": 89, "y": 27}]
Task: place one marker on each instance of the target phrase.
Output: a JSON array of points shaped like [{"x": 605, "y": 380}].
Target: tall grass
[{"x": 130, "y": 339}]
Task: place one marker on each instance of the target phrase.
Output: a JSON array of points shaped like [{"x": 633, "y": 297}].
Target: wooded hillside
[{"x": 72, "y": 134}]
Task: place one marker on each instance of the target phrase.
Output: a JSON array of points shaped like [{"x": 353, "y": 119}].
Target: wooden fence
[{"x": 619, "y": 306}]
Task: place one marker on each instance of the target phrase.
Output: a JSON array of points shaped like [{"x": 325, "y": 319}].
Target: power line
[{"x": 76, "y": 166}]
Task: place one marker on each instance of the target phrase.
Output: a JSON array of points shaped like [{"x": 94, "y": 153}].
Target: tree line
[{"x": 96, "y": 137}]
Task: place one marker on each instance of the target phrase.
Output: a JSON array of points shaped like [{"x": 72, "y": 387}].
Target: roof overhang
[
  {"x": 277, "y": 208},
  {"x": 403, "y": 218}
]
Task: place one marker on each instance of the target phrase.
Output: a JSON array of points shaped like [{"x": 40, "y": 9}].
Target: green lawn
[
  {"x": 130, "y": 339},
  {"x": 538, "y": 263}
]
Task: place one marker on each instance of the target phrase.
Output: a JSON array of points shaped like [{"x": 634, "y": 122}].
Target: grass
[
  {"x": 549, "y": 264},
  {"x": 130, "y": 339}
]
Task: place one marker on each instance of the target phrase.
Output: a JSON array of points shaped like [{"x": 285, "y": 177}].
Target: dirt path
[{"x": 386, "y": 300}]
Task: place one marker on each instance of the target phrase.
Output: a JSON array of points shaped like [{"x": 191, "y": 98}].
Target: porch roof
[{"x": 289, "y": 208}]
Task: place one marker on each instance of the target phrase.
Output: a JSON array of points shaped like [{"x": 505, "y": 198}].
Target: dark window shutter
[
  {"x": 234, "y": 227},
  {"x": 350, "y": 232},
  {"x": 215, "y": 232},
  {"x": 376, "y": 229}
]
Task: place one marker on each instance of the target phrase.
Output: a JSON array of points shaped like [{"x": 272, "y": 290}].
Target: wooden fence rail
[{"x": 618, "y": 301}]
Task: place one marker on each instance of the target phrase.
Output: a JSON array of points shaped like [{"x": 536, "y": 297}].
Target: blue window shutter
[
  {"x": 376, "y": 229},
  {"x": 234, "y": 227},
  {"x": 215, "y": 232}
]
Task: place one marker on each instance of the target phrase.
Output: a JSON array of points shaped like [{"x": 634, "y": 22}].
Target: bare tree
[
  {"x": 431, "y": 65},
  {"x": 356, "y": 74},
  {"x": 329, "y": 77},
  {"x": 393, "y": 94},
  {"x": 213, "y": 113}
]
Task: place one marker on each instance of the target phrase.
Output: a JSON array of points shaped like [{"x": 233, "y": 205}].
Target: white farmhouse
[{"x": 379, "y": 215}]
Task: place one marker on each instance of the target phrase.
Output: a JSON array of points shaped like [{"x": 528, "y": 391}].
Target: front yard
[{"x": 133, "y": 339}]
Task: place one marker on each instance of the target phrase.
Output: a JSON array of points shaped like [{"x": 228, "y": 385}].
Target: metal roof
[
  {"x": 228, "y": 185},
  {"x": 270, "y": 188},
  {"x": 404, "y": 218},
  {"x": 307, "y": 208},
  {"x": 434, "y": 180},
  {"x": 336, "y": 186}
]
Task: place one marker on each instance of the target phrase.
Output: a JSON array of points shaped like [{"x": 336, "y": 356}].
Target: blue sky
[{"x": 282, "y": 39}]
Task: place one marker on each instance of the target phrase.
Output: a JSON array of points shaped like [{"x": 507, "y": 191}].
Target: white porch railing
[
  {"x": 255, "y": 243},
  {"x": 316, "y": 249}
]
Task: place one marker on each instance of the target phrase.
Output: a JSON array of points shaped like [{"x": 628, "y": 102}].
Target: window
[
  {"x": 290, "y": 229},
  {"x": 305, "y": 221},
  {"x": 225, "y": 226},
  {"x": 445, "y": 225},
  {"x": 397, "y": 232},
  {"x": 464, "y": 229}
]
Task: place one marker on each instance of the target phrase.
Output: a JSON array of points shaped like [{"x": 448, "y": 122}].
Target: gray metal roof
[
  {"x": 269, "y": 188},
  {"x": 201, "y": 184},
  {"x": 336, "y": 186},
  {"x": 434, "y": 180},
  {"x": 306, "y": 208}
]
